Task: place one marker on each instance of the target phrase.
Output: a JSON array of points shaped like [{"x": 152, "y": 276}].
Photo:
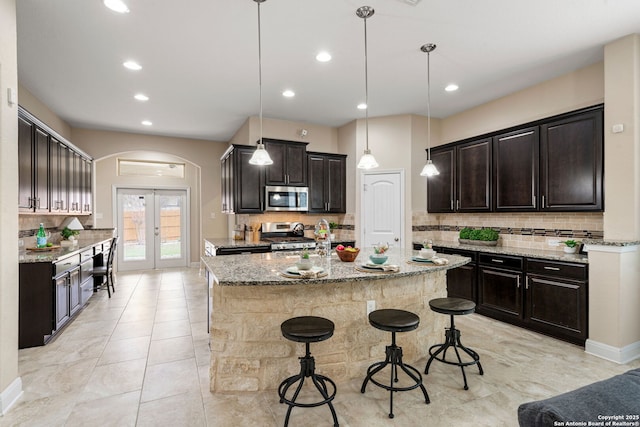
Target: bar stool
[
  {"x": 393, "y": 321},
  {"x": 453, "y": 307},
  {"x": 307, "y": 329}
]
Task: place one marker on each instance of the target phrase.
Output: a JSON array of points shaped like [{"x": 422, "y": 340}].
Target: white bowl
[
  {"x": 304, "y": 264},
  {"x": 427, "y": 253}
]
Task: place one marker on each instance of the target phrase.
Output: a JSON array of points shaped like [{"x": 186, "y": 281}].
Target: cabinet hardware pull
[
  {"x": 451, "y": 204},
  {"x": 533, "y": 200},
  {"x": 516, "y": 136},
  {"x": 518, "y": 282},
  {"x": 457, "y": 204},
  {"x": 527, "y": 284},
  {"x": 497, "y": 260},
  {"x": 543, "y": 205},
  {"x": 552, "y": 268}
]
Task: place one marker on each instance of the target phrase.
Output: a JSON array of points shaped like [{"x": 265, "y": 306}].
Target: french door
[{"x": 152, "y": 224}]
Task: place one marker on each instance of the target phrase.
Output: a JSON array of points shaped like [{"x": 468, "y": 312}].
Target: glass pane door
[{"x": 170, "y": 228}]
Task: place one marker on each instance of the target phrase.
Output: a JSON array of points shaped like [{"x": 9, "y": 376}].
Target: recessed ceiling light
[
  {"x": 288, "y": 93},
  {"x": 451, "y": 87},
  {"x": 132, "y": 65},
  {"x": 323, "y": 57},
  {"x": 362, "y": 106},
  {"x": 147, "y": 122},
  {"x": 141, "y": 97},
  {"x": 116, "y": 5}
]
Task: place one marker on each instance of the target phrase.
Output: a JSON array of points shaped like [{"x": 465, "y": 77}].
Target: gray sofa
[{"x": 616, "y": 396}]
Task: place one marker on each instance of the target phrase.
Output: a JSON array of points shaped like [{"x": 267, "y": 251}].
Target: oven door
[{"x": 286, "y": 198}]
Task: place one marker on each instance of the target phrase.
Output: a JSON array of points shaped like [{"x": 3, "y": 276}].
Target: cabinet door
[
  {"x": 74, "y": 291},
  {"x": 86, "y": 193},
  {"x": 276, "y": 172},
  {"x": 571, "y": 163},
  {"x": 248, "y": 182},
  {"x": 289, "y": 163},
  {"x": 500, "y": 294},
  {"x": 75, "y": 174},
  {"x": 316, "y": 175},
  {"x": 41, "y": 170},
  {"x": 58, "y": 168},
  {"x": 336, "y": 184},
  {"x": 515, "y": 170},
  {"x": 557, "y": 307},
  {"x": 224, "y": 183},
  {"x": 461, "y": 282},
  {"x": 25, "y": 165},
  {"x": 296, "y": 164},
  {"x": 441, "y": 188},
  {"x": 473, "y": 176},
  {"x": 61, "y": 285}
]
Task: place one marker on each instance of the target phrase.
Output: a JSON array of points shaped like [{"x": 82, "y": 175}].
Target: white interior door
[
  {"x": 152, "y": 224},
  {"x": 382, "y": 212}
]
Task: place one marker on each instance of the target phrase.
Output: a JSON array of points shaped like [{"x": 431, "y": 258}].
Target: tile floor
[{"x": 141, "y": 358}]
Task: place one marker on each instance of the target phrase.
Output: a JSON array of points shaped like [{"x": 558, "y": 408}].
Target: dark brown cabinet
[
  {"x": 515, "y": 170},
  {"x": 556, "y": 299},
  {"x": 289, "y": 162},
  {"x": 464, "y": 182},
  {"x": 500, "y": 287},
  {"x": 242, "y": 183},
  {"x": 441, "y": 188},
  {"x": 571, "y": 163},
  {"x": 53, "y": 176},
  {"x": 462, "y": 281},
  {"x": 327, "y": 174}
]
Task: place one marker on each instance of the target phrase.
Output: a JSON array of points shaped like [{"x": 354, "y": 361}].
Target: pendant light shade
[
  {"x": 367, "y": 161},
  {"x": 260, "y": 157},
  {"x": 429, "y": 169}
]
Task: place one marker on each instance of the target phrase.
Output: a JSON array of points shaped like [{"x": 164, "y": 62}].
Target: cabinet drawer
[
  {"x": 65, "y": 264},
  {"x": 86, "y": 256},
  {"x": 557, "y": 269},
  {"x": 471, "y": 254},
  {"x": 502, "y": 261}
]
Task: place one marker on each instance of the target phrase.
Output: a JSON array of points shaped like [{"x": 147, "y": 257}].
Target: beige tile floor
[{"x": 142, "y": 357}]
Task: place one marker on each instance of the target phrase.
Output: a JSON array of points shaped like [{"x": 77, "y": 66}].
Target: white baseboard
[
  {"x": 615, "y": 354},
  {"x": 195, "y": 264},
  {"x": 10, "y": 395}
]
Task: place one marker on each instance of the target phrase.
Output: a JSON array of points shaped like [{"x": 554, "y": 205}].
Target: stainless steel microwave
[{"x": 286, "y": 198}]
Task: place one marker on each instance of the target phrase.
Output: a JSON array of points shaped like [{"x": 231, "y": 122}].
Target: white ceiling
[{"x": 201, "y": 67}]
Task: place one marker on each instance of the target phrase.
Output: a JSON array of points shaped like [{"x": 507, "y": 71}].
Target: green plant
[
  {"x": 485, "y": 234},
  {"x": 427, "y": 244},
  {"x": 571, "y": 243},
  {"x": 67, "y": 232},
  {"x": 305, "y": 254},
  {"x": 333, "y": 226}
]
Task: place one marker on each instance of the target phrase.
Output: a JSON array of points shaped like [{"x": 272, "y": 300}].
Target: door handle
[{"x": 497, "y": 260}]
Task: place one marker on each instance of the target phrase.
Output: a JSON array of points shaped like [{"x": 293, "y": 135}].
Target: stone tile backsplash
[{"x": 521, "y": 230}]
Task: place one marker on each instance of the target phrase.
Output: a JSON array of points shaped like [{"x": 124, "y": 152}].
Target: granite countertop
[
  {"x": 53, "y": 255},
  {"x": 524, "y": 252},
  {"x": 620, "y": 243},
  {"x": 266, "y": 268}
]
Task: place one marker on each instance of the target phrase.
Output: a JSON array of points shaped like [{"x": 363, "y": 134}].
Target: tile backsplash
[{"x": 521, "y": 230}]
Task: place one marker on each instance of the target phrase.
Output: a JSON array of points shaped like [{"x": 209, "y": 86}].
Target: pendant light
[
  {"x": 260, "y": 157},
  {"x": 367, "y": 161},
  {"x": 429, "y": 169}
]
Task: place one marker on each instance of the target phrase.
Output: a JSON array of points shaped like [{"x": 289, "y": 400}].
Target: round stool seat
[
  {"x": 393, "y": 320},
  {"x": 307, "y": 329},
  {"x": 452, "y": 306}
]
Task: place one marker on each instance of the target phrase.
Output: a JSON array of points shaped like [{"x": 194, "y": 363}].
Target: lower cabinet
[
  {"x": 67, "y": 296},
  {"x": 462, "y": 281},
  {"x": 500, "y": 280}
]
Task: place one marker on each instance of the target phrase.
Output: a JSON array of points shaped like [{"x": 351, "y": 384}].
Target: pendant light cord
[
  {"x": 260, "y": 69},
  {"x": 366, "y": 87},
  {"x": 428, "y": 106}
]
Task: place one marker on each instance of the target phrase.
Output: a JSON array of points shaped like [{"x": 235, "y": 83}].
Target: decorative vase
[{"x": 569, "y": 250}]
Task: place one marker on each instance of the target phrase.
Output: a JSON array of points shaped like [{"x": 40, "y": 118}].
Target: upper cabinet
[
  {"x": 242, "y": 183},
  {"x": 552, "y": 165},
  {"x": 289, "y": 162},
  {"x": 515, "y": 170},
  {"x": 327, "y": 175},
  {"x": 571, "y": 163},
  {"x": 54, "y": 177},
  {"x": 464, "y": 182}
]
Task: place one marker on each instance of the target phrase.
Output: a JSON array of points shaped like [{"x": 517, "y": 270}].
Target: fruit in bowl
[
  {"x": 378, "y": 258},
  {"x": 347, "y": 254}
]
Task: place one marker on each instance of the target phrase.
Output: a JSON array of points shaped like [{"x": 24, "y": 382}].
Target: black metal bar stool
[
  {"x": 394, "y": 321},
  {"x": 307, "y": 329},
  {"x": 453, "y": 307}
]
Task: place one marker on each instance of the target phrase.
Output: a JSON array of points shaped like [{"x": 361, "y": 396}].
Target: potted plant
[
  {"x": 427, "y": 251},
  {"x": 305, "y": 262},
  {"x": 571, "y": 246},
  {"x": 483, "y": 236},
  {"x": 332, "y": 226},
  {"x": 68, "y": 236}
]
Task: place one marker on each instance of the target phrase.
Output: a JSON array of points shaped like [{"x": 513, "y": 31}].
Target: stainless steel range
[{"x": 286, "y": 236}]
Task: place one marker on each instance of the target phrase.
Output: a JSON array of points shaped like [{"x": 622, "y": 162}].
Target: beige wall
[
  {"x": 319, "y": 138},
  {"x": 203, "y": 158},
  {"x": 43, "y": 113},
  {"x": 10, "y": 384},
  {"x": 622, "y": 150}
]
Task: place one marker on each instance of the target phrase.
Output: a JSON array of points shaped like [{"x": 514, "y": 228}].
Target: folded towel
[
  {"x": 308, "y": 274},
  {"x": 440, "y": 261},
  {"x": 390, "y": 267}
]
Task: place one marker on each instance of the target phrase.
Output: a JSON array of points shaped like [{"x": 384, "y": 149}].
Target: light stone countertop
[
  {"x": 53, "y": 255},
  {"x": 231, "y": 243},
  {"x": 524, "y": 252},
  {"x": 619, "y": 243},
  {"x": 266, "y": 268}
]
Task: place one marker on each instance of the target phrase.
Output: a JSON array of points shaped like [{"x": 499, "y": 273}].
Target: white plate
[
  {"x": 294, "y": 270},
  {"x": 420, "y": 259}
]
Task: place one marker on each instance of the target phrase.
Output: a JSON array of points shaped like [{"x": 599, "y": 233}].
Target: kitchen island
[{"x": 251, "y": 295}]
